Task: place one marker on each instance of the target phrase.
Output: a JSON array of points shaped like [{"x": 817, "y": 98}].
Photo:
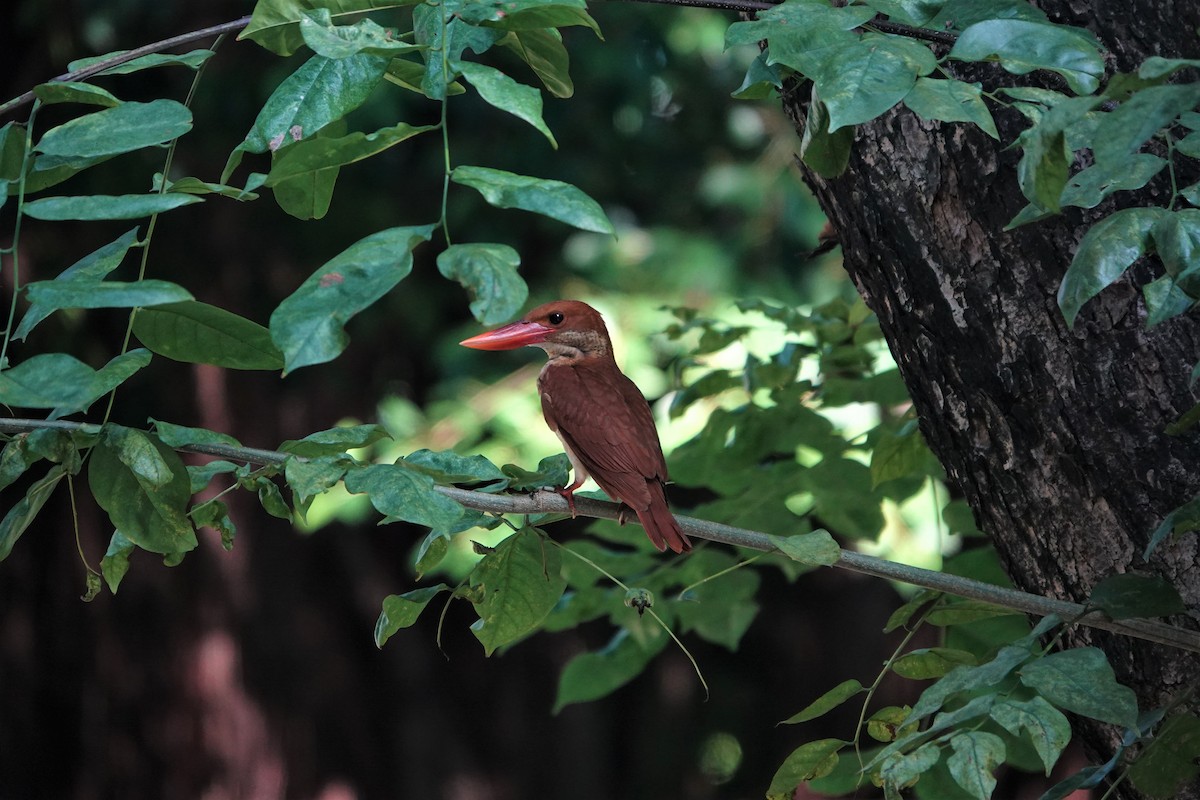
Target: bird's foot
[{"x": 569, "y": 494}]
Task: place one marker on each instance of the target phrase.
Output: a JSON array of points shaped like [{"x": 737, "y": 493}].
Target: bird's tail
[{"x": 661, "y": 525}]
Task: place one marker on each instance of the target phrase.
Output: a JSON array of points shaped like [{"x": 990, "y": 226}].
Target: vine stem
[{"x": 550, "y": 502}]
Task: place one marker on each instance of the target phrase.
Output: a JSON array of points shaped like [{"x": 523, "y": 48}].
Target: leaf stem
[
  {"x": 15, "y": 254},
  {"x": 446, "y": 168}
]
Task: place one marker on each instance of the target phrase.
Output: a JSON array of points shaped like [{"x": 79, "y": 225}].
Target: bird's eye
[{"x": 555, "y": 318}]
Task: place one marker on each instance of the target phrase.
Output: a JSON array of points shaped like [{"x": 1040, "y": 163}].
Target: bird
[{"x": 599, "y": 415}]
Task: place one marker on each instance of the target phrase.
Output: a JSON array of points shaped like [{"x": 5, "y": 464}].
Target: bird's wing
[{"x": 604, "y": 419}]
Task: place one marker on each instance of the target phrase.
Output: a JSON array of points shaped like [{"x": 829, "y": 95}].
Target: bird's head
[{"x": 563, "y": 328}]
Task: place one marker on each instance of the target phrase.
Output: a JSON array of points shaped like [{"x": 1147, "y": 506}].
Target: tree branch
[
  {"x": 549, "y": 502},
  {"x": 130, "y": 55}
]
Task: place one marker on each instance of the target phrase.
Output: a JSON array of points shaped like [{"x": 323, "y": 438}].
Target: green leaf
[
  {"x": 101, "y": 206},
  {"x": 967, "y": 679},
  {"x": 1106, "y": 251},
  {"x": 276, "y": 23},
  {"x": 867, "y": 78},
  {"x": 402, "y": 610},
  {"x": 1088, "y": 187},
  {"x": 402, "y": 493},
  {"x": 89, "y": 269},
  {"x": 23, "y": 512},
  {"x": 808, "y": 761},
  {"x": 308, "y": 325},
  {"x": 1127, "y": 595},
  {"x": 447, "y": 42},
  {"x": 529, "y": 14},
  {"x": 60, "y": 381},
  {"x": 70, "y": 92},
  {"x": 1164, "y": 300},
  {"x": 950, "y": 100},
  {"x": 543, "y": 51},
  {"x": 1177, "y": 239},
  {"x": 960, "y": 612},
  {"x": 308, "y": 196},
  {"x": 447, "y": 467},
  {"x": 310, "y": 156},
  {"x": 826, "y": 702},
  {"x": 144, "y": 487},
  {"x": 58, "y": 294},
  {"x": 825, "y": 152},
  {"x": 502, "y": 92},
  {"x": 115, "y": 562},
  {"x": 931, "y": 662},
  {"x": 335, "y": 441},
  {"x": 489, "y": 273},
  {"x": 192, "y": 59},
  {"x": 198, "y": 333},
  {"x": 1044, "y": 725},
  {"x": 1158, "y": 67},
  {"x": 1180, "y": 520},
  {"x": 1122, "y": 131},
  {"x": 903, "y": 771},
  {"x": 340, "y": 41},
  {"x": 197, "y": 186},
  {"x": 1080, "y": 680},
  {"x": 107, "y": 378},
  {"x": 761, "y": 80},
  {"x": 121, "y": 129},
  {"x": 552, "y": 471},
  {"x": 957, "y": 15},
  {"x": 431, "y": 552},
  {"x": 887, "y": 724},
  {"x": 899, "y": 455},
  {"x": 806, "y": 35},
  {"x": 520, "y": 580},
  {"x": 214, "y": 515},
  {"x": 310, "y": 477},
  {"x": 976, "y": 755},
  {"x": 321, "y": 91},
  {"x": 590, "y": 676},
  {"x": 817, "y": 549},
  {"x": 1047, "y": 153},
  {"x": 177, "y": 436},
  {"x": 1169, "y": 760},
  {"x": 1022, "y": 46},
  {"x": 554, "y": 199}
]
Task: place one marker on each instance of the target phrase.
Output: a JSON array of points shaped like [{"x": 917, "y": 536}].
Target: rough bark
[{"x": 1055, "y": 436}]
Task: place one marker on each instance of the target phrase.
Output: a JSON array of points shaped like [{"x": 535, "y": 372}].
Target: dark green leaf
[
  {"x": 1088, "y": 187},
  {"x": 448, "y": 467},
  {"x": 432, "y": 550},
  {"x": 520, "y": 580},
  {"x": 308, "y": 325},
  {"x": 976, "y": 755},
  {"x": 761, "y": 80},
  {"x": 402, "y": 610},
  {"x": 340, "y": 41},
  {"x": 200, "y": 476},
  {"x": 335, "y": 441},
  {"x": 1080, "y": 680},
  {"x": 806, "y": 762},
  {"x": 107, "y": 378},
  {"x": 867, "y": 78},
  {"x": 489, "y": 273},
  {"x": 177, "y": 436},
  {"x": 1043, "y": 724},
  {"x": 404, "y": 494},
  {"x": 68, "y": 92},
  {"x": 1169, "y": 760},
  {"x": 198, "y": 333},
  {"x": 967, "y": 679},
  {"x": 951, "y": 101},
  {"x": 499, "y": 90},
  {"x": 590, "y": 676},
  {"x": 447, "y": 41},
  {"x": 908, "y": 12},
  {"x": 805, "y": 35},
  {"x": 89, "y": 269},
  {"x": 1022, "y": 46},
  {"x": 23, "y": 512},
  {"x": 98, "y": 206},
  {"x": 58, "y": 294},
  {"x": 121, "y": 129},
  {"x": 62, "y": 382},
  {"x": 1165, "y": 300},
  {"x": 825, "y": 152},
  {"x": 931, "y": 662},
  {"x": 276, "y": 23},
  {"x": 817, "y": 549},
  {"x": 900, "y": 455},
  {"x": 321, "y": 91},
  {"x": 960, "y": 612},
  {"x": 197, "y": 186},
  {"x": 1180, "y": 520},
  {"x": 543, "y": 51},
  {"x": 958, "y": 15},
  {"x": 1127, "y": 595},
  {"x": 310, "y": 477},
  {"x": 144, "y": 487},
  {"x": 1106, "y": 251},
  {"x": 214, "y": 515},
  {"x": 192, "y": 59},
  {"x": 554, "y": 199},
  {"x": 115, "y": 562},
  {"x": 1177, "y": 239},
  {"x": 313, "y": 155},
  {"x": 826, "y": 702},
  {"x": 552, "y": 471},
  {"x": 1132, "y": 124},
  {"x": 1159, "y": 67}
]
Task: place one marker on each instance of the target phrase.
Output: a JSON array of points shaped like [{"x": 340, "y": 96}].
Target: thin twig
[
  {"x": 549, "y": 502},
  {"x": 130, "y": 55}
]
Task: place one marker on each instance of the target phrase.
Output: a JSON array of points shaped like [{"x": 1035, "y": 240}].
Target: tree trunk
[{"x": 1055, "y": 436}]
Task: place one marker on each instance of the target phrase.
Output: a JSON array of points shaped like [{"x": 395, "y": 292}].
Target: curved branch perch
[{"x": 544, "y": 502}]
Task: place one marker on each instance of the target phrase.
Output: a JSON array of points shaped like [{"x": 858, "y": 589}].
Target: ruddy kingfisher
[{"x": 599, "y": 415}]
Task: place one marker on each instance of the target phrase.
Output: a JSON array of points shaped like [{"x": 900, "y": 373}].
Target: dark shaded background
[{"x": 252, "y": 673}]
